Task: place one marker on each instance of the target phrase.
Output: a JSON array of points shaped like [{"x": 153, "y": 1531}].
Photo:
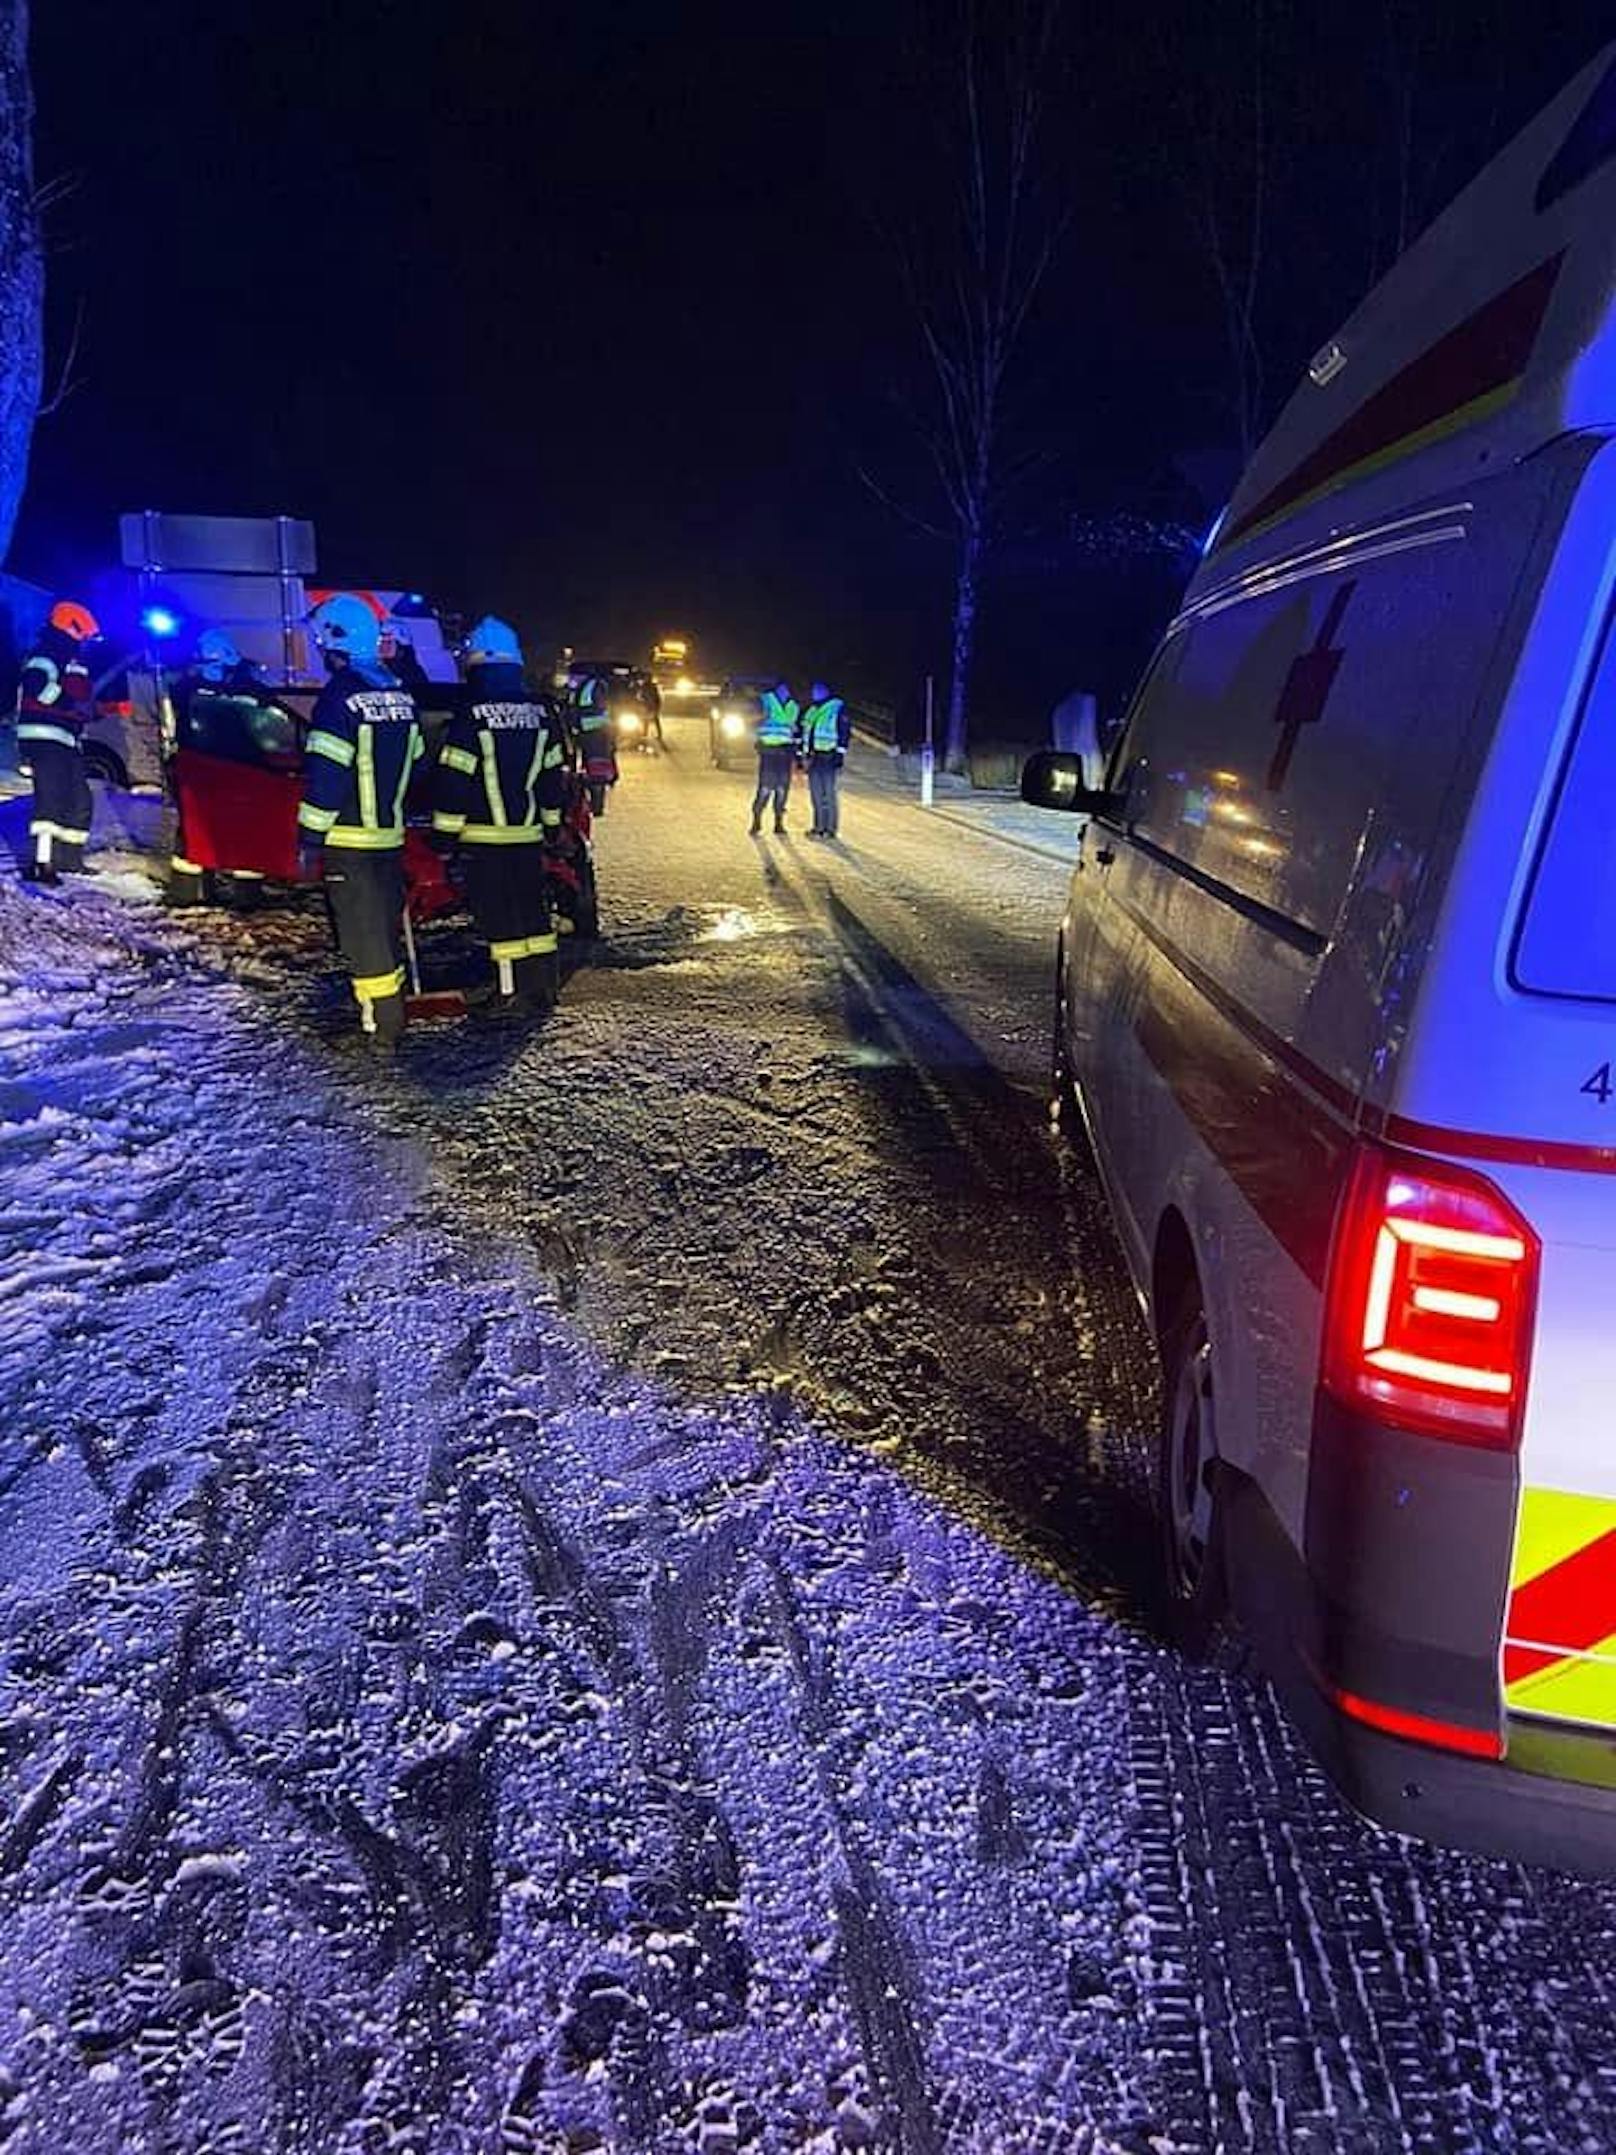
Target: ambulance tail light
[{"x": 1430, "y": 1300}]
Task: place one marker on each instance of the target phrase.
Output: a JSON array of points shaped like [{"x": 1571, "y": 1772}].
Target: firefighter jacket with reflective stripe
[
  {"x": 826, "y": 727},
  {"x": 502, "y": 775},
  {"x": 592, "y": 727},
  {"x": 363, "y": 743},
  {"x": 782, "y": 715},
  {"x": 590, "y": 710},
  {"x": 54, "y": 698}
]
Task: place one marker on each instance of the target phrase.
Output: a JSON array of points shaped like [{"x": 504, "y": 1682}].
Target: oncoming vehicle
[
  {"x": 1336, "y": 993},
  {"x": 632, "y": 699},
  {"x": 671, "y": 666},
  {"x": 732, "y": 721}
]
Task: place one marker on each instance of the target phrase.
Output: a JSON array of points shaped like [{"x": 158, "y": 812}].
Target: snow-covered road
[{"x": 579, "y": 1590}]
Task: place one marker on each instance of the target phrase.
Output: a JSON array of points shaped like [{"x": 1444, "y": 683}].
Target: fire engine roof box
[{"x": 228, "y": 545}]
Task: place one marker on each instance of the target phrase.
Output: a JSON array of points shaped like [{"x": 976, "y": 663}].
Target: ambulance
[{"x": 1336, "y": 1003}]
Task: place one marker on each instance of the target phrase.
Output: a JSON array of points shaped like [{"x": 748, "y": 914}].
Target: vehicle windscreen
[{"x": 239, "y": 729}]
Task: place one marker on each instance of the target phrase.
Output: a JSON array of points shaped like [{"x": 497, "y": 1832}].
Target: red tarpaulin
[{"x": 244, "y": 816}]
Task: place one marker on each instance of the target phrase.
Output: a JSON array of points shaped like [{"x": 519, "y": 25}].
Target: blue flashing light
[{"x": 158, "y": 621}]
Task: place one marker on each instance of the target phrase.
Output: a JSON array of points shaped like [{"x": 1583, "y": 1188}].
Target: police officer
[
  {"x": 54, "y": 700},
  {"x": 499, "y": 792},
  {"x": 776, "y": 737},
  {"x": 591, "y": 719},
  {"x": 363, "y": 743},
  {"x": 826, "y": 730}
]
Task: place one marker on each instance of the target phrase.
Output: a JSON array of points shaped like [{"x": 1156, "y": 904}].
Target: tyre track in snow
[
  {"x": 668, "y": 1949},
  {"x": 876, "y": 1965}
]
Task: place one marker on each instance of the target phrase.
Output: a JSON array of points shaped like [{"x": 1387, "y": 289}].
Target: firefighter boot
[{"x": 545, "y": 989}]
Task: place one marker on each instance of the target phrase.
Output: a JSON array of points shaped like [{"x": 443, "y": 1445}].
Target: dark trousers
[
  {"x": 822, "y": 772},
  {"x": 509, "y": 898},
  {"x": 600, "y": 767},
  {"x": 59, "y": 825},
  {"x": 365, "y": 892},
  {"x": 774, "y": 777}
]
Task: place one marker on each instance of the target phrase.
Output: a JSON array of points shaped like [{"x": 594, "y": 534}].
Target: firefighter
[
  {"x": 364, "y": 740},
  {"x": 219, "y": 666},
  {"x": 400, "y": 657},
  {"x": 54, "y": 701},
  {"x": 592, "y": 731},
  {"x": 825, "y": 732},
  {"x": 776, "y": 737},
  {"x": 499, "y": 792}
]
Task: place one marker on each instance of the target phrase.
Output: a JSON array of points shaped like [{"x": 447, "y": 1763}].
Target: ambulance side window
[{"x": 1127, "y": 746}]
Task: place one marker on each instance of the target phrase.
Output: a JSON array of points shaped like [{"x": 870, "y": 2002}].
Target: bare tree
[
  {"x": 1221, "y": 145},
  {"x": 22, "y": 267},
  {"x": 972, "y": 273}
]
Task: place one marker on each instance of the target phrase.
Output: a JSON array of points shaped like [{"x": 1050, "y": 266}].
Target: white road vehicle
[{"x": 1337, "y": 1000}]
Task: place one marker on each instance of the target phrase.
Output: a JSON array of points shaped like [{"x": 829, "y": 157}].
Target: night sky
[{"x": 588, "y": 315}]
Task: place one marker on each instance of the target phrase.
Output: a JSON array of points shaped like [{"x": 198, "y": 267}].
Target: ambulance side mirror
[{"x": 1054, "y": 779}]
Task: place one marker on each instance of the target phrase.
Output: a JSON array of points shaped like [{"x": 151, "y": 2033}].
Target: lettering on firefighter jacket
[
  {"x": 502, "y": 776},
  {"x": 364, "y": 741}
]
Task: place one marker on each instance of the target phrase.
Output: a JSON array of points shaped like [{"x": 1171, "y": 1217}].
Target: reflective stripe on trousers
[{"x": 59, "y": 822}]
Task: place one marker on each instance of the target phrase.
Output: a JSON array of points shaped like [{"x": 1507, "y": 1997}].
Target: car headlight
[
  {"x": 629, "y": 721},
  {"x": 684, "y": 686},
  {"x": 732, "y": 725}
]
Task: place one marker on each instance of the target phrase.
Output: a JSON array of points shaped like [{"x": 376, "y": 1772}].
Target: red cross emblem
[{"x": 1307, "y": 688}]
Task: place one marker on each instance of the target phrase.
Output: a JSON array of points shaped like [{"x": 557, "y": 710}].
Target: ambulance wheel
[{"x": 1188, "y": 1487}]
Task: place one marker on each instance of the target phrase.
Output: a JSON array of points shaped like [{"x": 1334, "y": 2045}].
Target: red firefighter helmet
[{"x": 74, "y": 620}]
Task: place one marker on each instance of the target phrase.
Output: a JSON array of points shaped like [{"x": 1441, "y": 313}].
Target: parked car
[{"x": 1336, "y": 1000}]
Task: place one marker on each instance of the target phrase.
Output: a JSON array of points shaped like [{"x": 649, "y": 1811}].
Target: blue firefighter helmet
[
  {"x": 216, "y": 655},
  {"x": 493, "y": 643},
  {"x": 345, "y": 627}
]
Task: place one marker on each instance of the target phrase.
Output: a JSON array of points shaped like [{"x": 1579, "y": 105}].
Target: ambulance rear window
[{"x": 1568, "y": 940}]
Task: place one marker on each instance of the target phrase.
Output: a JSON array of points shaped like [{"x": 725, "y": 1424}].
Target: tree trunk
[
  {"x": 22, "y": 267},
  {"x": 957, "y": 738}
]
